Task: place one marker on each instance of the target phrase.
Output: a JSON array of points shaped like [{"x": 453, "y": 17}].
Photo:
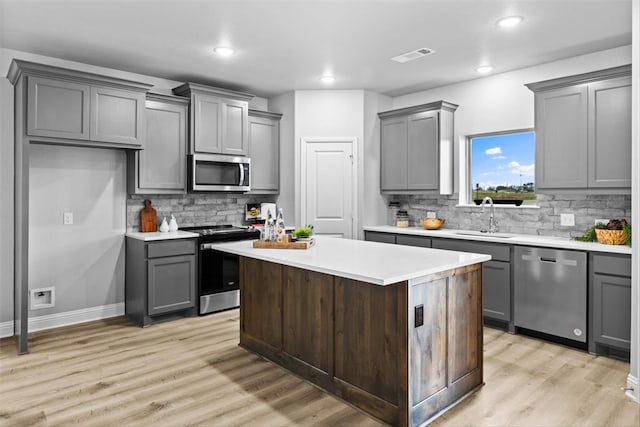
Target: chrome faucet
[{"x": 493, "y": 225}]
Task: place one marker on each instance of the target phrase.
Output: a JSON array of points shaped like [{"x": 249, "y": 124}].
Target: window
[{"x": 501, "y": 166}]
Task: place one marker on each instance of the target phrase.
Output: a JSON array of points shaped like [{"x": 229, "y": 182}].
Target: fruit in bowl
[{"x": 432, "y": 223}]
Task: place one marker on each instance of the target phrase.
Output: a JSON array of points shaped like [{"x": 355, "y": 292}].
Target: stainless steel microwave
[{"x": 214, "y": 172}]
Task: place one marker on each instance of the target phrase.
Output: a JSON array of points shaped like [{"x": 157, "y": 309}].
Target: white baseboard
[
  {"x": 67, "y": 318},
  {"x": 633, "y": 391}
]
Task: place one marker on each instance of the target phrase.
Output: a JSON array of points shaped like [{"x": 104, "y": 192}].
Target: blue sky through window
[{"x": 506, "y": 159}]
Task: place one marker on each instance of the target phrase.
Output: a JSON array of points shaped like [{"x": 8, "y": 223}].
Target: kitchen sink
[{"x": 484, "y": 234}]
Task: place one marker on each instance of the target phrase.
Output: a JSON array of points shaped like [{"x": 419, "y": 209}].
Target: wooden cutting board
[{"x": 148, "y": 218}]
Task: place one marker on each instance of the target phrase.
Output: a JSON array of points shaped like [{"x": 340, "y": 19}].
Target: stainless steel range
[{"x": 219, "y": 272}]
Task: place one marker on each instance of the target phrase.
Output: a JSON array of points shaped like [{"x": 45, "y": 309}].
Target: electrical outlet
[
  {"x": 600, "y": 221},
  {"x": 431, "y": 214},
  {"x": 567, "y": 220},
  {"x": 67, "y": 218}
]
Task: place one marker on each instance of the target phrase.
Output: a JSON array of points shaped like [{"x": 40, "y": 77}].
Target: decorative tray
[{"x": 300, "y": 244}]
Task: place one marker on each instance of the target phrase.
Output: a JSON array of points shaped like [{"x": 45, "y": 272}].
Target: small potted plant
[{"x": 614, "y": 232}]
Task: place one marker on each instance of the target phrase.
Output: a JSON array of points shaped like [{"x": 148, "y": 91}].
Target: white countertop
[
  {"x": 157, "y": 235},
  {"x": 509, "y": 239},
  {"x": 372, "y": 262}
]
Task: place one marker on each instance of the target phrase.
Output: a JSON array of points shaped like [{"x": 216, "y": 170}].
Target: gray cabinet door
[
  {"x": 610, "y": 133},
  {"x": 496, "y": 290},
  {"x": 207, "y": 117},
  {"x": 172, "y": 284},
  {"x": 374, "y": 236},
  {"x": 612, "y": 311},
  {"x": 422, "y": 151},
  {"x": 57, "y": 109},
  {"x": 160, "y": 167},
  {"x": 561, "y": 132},
  {"x": 235, "y": 127},
  {"x": 264, "y": 151},
  {"x": 393, "y": 153},
  {"x": 117, "y": 116},
  {"x": 408, "y": 240}
]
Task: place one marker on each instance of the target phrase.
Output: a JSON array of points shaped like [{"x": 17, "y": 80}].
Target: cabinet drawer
[
  {"x": 423, "y": 242},
  {"x": 617, "y": 265},
  {"x": 497, "y": 251},
  {"x": 171, "y": 248},
  {"x": 374, "y": 236}
]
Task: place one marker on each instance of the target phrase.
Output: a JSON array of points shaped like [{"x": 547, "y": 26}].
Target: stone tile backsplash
[
  {"x": 543, "y": 220},
  {"x": 194, "y": 208}
]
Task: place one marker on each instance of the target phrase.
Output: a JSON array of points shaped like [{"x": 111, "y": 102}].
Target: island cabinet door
[
  {"x": 261, "y": 302},
  {"x": 307, "y": 321},
  {"x": 371, "y": 347},
  {"x": 445, "y": 340}
]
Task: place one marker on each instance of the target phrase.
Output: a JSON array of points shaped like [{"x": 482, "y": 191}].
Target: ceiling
[{"x": 287, "y": 45}]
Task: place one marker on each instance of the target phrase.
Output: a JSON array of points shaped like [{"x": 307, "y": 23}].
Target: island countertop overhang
[{"x": 372, "y": 262}]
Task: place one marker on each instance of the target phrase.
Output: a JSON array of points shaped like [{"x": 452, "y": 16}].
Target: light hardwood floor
[{"x": 192, "y": 372}]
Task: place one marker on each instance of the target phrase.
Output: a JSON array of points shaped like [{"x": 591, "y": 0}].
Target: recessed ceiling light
[
  {"x": 509, "y": 21},
  {"x": 327, "y": 79},
  {"x": 224, "y": 51},
  {"x": 484, "y": 69}
]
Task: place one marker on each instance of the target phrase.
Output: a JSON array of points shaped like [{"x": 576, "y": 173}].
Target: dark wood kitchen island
[{"x": 394, "y": 330}]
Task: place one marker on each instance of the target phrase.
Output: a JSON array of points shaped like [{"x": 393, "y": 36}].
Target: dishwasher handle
[{"x": 545, "y": 259}]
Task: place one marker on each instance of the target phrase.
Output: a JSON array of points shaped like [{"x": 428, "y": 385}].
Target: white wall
[
  {"x": 373, "y": 206},
  {"x": 502, "y": 102},
  {"x": 36, "y": 269},
  {"x": 325, "y": 113},
  {"x": 85, "y": 260},
  {"x": 633, "y": 380},
  {"x": 285, "y": 105}
]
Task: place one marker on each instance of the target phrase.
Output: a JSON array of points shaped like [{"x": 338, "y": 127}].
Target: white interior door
[{"x": 328, "y": 186}]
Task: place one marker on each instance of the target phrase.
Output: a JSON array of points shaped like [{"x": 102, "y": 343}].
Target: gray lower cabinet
[
  {"x": 161, "y": 278},
  {"x": 219, "y": 119},
  {"x": 375, "y": 236},
  {"x": 583, "y": 131},
  {"x": 411, "y": 148},
  {"x": 264, "y": 151},
  {"x": 496, "y": 283},
  {"x": 610, "y": 304},
  {"x": 160, "y": 167}
]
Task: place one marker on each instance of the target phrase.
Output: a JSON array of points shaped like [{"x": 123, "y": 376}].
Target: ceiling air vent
[{"x": 414, "y": 54}]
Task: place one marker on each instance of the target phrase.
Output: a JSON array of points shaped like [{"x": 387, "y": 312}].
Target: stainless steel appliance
[
  {"x": 550, "y": 292},
  {"x": 213, "y": 172},
  {"x": 219, "y": 272}
]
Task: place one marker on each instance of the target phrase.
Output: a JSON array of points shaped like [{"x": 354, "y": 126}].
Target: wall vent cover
[{"x": 414, "y": 54}]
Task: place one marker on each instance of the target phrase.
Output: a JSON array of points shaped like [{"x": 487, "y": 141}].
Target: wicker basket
[{"x": 611, "y": 237}]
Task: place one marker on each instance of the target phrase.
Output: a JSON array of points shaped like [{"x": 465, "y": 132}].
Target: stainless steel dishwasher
[{"x": 550, "y": 291}]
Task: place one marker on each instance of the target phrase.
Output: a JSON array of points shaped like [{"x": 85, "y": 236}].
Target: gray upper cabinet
[
  {"x": 57, "y": 109},
  {"x": 415, "y": 143},
  {"x": 77, "y": 108},
  {"x": 583, "y": 131},
  {"x": 264, "y": 151},
  {"x": 561, "y": 115},
  {"x": 610, "y": 133},
  {"x": 160, "y": 167},
  {"x": 219, "y": 119},
  {"x": 117, "y": 116}
]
